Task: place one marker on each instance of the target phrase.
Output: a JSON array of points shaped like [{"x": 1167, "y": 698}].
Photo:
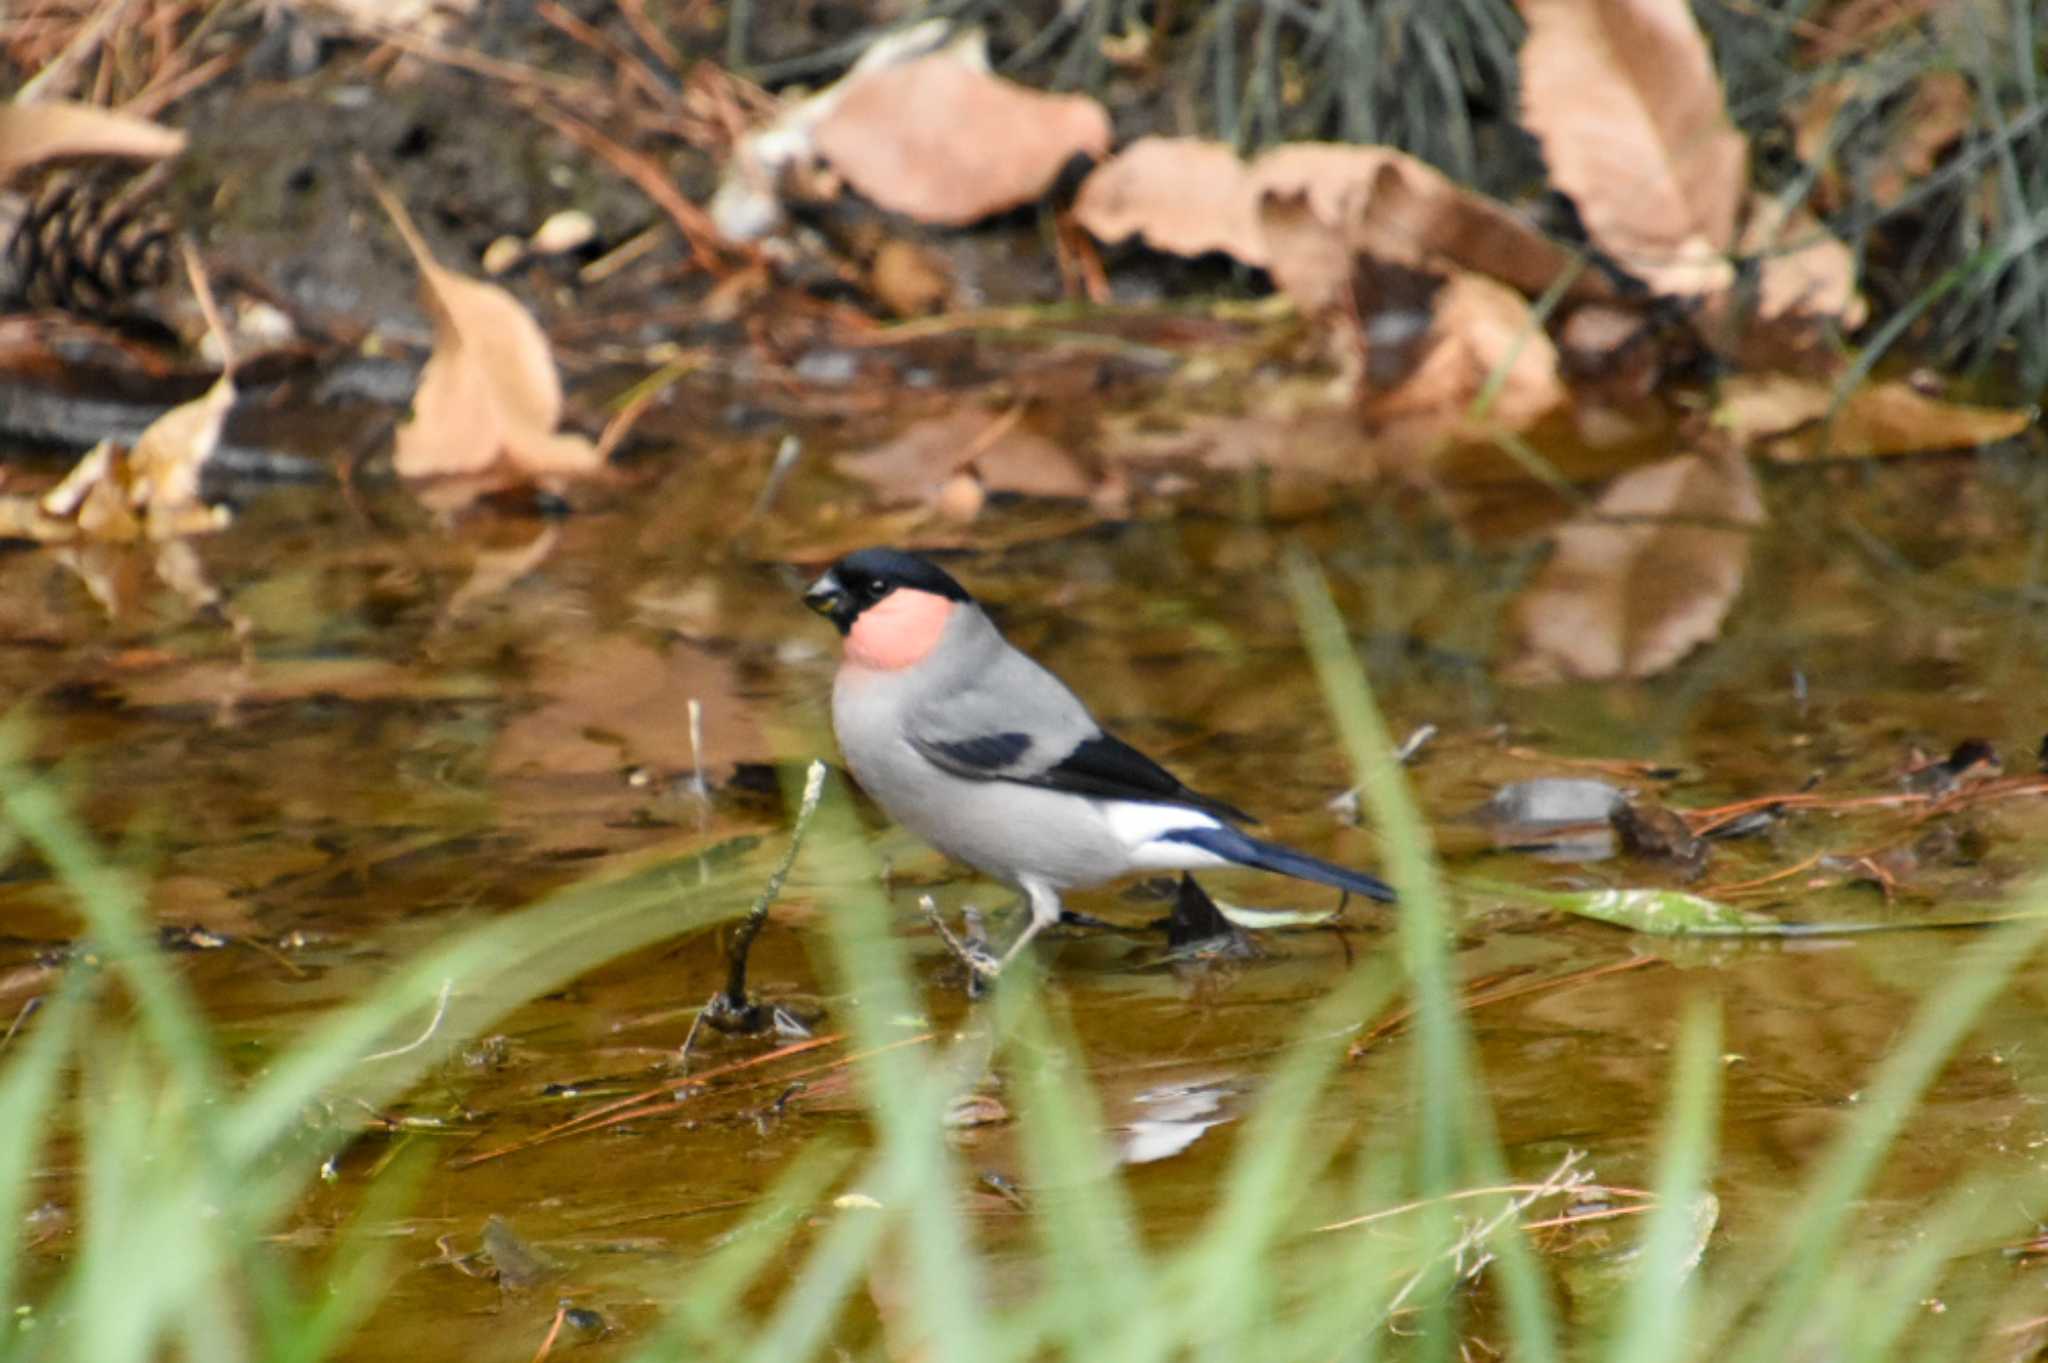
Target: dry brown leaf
[
  {"x": 1940, "y": 110},
  {"x": 1402, "y": 210},
  {"x": 910, "y": 280},
  {"x": 777, "y": 159},
  {"x": 1183, "y": 195},
  {"x": 1806, "y": 272},
  {"x": 943, "y": 140},
  {"x": 1482, "y": 339},
  {"x": 1312, "y": 439},
  {"x": 152, "y": 491},
  {"x": 918, "y": 464},
  {"x": 164, "y": 466},
  {"x": 1191, "y": 196},
  {"x": 1306, "y": 254},
  {"x": 1789, "y": 415},
  {"x": 1627, "y": 597},
  {"x": 489, "y": 397},
  {"x": 33, "y": 133},
  {"x": 1623, "y": 96}
]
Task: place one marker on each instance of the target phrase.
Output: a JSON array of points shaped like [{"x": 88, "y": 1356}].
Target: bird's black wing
[
  {"x": 1101, "y": 766},
  {"x": 984, "y": 757}
]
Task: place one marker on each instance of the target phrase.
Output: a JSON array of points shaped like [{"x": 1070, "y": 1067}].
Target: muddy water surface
[{"x": 428, "y": 725}]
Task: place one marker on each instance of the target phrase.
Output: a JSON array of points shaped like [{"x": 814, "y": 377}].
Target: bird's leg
[{"x": 1045, "y": 911}]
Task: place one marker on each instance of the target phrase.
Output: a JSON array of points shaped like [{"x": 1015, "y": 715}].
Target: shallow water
[{"x": 431, "y": 724}]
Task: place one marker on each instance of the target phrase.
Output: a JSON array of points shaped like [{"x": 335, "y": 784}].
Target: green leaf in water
[
  {"x": 1264, "y": 920},
  {"x": 1666, "y": 913}
]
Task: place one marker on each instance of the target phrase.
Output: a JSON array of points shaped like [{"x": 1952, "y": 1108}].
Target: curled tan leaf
[
  {"x": 1805, "y": 271},
  {"x": 33, "y": 133},
  {"x": 164, "y": 466},
  {"x": 489, "y": 397},
  {"x": 1623, "y": 96},
  {"x": 1485, "y": 364},
  {"x": 1644, "y": 579},
  {"x": 943, "y": 140},
  {"x": 1183, "y": 195},
  {"x": 1191, "y": 196},
  {"x": 1401, "y": 210}
]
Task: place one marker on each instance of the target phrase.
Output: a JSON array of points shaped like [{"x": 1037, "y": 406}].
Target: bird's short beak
[{"x": 826, "y": 597}]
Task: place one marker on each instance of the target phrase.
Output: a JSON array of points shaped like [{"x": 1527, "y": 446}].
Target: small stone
[
  {"x": 961, "y": 497},
  {"x": 502, "y": 254},
  {"x": 567, "y": 230}
]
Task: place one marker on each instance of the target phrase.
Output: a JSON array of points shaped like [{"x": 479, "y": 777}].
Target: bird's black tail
[{"x": 1245, "y": 850}]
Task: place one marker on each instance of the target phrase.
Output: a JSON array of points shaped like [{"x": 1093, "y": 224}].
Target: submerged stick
[{"x": 730, "y": 1008}]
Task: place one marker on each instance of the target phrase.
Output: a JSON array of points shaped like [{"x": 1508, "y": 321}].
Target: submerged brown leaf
[
  {"x": 1790, "y": 415},
  {"x": 489, "y": 398},
  {"x": 1484, "y": 365},
  {"x": 1623, "y": 96},
  {"x": 1645, "y": 578},
  {"x": 33, "y": 133},
  {"x": 943, "y": 140},
  {"x": 922, "y": 463}
]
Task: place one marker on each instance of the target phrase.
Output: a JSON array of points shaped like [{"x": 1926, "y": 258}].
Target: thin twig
[
  {"x": 668, "y": 1093},
  {"x": 433, "y": 1025},
  {"x": 1483, "y": 993},
  {"x": 705, "y": 242},
  {"x": 548, "y": 1344},
  {"x": 1566, "y": 1177},
  {"x": 1497, "y": 1190},
  {"x": 735, "y": 996},
  {"x": 27, "y": 1010}
]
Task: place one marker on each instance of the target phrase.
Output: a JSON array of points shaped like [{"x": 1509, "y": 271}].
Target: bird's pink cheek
[{"x": 898, "y": 631}]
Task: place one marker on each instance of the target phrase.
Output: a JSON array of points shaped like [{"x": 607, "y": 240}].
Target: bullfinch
[{"x": 990, "y": 758}]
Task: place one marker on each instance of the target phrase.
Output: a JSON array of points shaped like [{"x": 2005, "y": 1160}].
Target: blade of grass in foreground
[
  {"x": 1656, "y": 1310},
  {"x": 701, "y": 1321},
  {"x": 1233, "y": 1298},
  {"x": 1790, "y": 1280},
  {"x": 1454, "y": 1135},
  {"x": 183, "y": 1173},
  {"x": 1088, "y": 1232},
  {"x": 113, "y": 912},
  {"x": 907, "y": 1091},
  {"x": 28, "y": 1095}
]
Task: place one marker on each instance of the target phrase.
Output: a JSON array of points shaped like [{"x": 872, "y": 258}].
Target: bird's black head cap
[{"x": 865, "y": 576}]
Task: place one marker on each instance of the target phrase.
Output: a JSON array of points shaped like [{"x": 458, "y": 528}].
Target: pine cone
[{"x": 80, "y": 243}]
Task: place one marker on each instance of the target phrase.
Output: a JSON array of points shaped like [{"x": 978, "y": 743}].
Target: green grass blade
[
  {"x": 28, "y": 1097},
  {"x": 1656, "y": 1310},
  {"x": 700, "y": 1321},
  {"x": 1453, "y": 1133},
  {"x": 1095, "y": 1259},
  {"x": 1817, "y": 1229},
  {"x": 907, "y": 1093}
]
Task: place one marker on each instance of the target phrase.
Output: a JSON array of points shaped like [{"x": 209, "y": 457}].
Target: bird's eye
[{"x": 876, "y": 586}]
